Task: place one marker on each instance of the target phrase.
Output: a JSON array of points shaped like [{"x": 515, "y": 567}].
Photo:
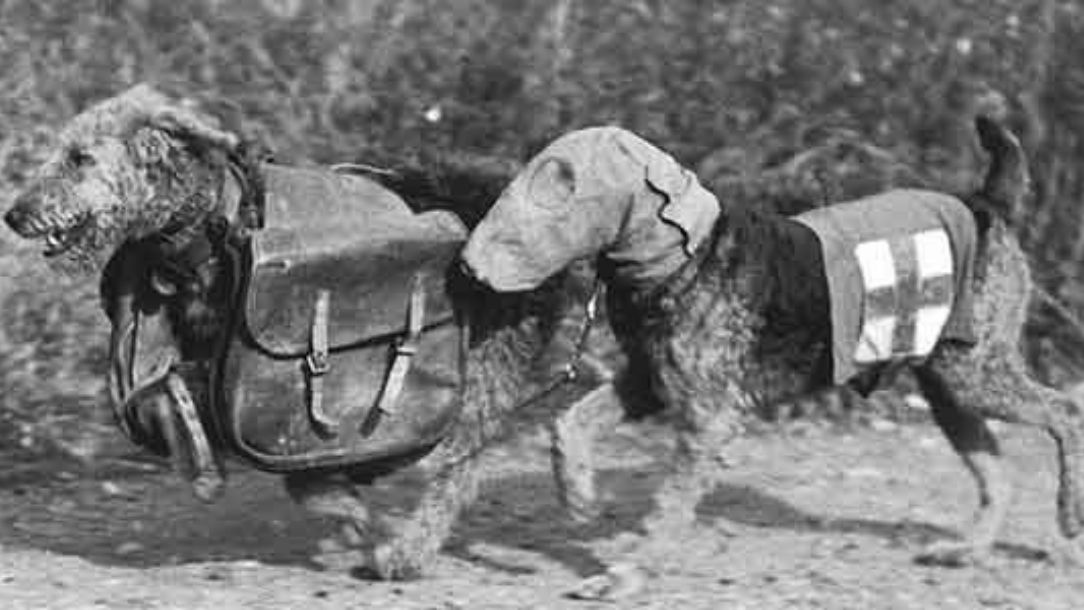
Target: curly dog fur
[
  {"x": 144, "y": 163},
  {"x": 743, "y": 323}
]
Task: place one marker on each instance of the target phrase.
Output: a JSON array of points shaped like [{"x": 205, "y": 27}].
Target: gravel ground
[{"x": 810, "y": 518}]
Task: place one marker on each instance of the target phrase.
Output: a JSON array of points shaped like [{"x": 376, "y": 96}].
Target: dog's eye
[{"x": 77, "y": 157}]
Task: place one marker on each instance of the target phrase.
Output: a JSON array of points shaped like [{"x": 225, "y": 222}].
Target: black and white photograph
[{"x": 541, "y": 304}]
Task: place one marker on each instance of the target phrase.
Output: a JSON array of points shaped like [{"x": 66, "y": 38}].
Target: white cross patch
[{"x": 908, "y": 294}]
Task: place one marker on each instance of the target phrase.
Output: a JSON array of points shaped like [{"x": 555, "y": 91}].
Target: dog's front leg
[
  {"x": 705, "y": 428},
  {"x": 572, "y": 438}
]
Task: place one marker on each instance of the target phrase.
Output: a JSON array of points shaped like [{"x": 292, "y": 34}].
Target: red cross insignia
[{"x": 909, "y": 291}]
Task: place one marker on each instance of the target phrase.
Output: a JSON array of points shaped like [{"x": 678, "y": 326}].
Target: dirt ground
[{"x": 808, "y": 519}]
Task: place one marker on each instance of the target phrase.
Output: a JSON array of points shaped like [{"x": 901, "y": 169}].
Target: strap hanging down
[
  {"x": 206, "y": 474},
  {"x": 317, "y": 364},
  {"x": 404, "y": 349}
]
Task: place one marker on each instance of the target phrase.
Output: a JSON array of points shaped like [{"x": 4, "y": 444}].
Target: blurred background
[{"x": 728, "y": 86}]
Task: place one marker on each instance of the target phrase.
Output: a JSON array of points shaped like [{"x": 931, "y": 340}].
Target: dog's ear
[
  {"x": 214, "y": 129},
  {"x": 151, "y": 108},
  {"x": 150, "y": 146},
  {"x": 191, "y": 125}
]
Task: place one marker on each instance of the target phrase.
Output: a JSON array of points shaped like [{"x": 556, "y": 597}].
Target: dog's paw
[
  {"x": 390, "y": 562},
  {"x": 585, "y": 511},
  {"x": 335, "y": 556},
  {"x": 619, "y": 582}
]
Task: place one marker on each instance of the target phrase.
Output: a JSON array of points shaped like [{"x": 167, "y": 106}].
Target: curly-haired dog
[
  {"x": 143, "y": 163},
  {"x": 723, "y": 309}
]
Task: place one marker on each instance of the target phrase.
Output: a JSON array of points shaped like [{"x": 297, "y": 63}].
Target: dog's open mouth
[{"x": 59, "y": 241}]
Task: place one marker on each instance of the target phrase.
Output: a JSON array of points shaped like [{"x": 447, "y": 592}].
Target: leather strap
[
  {"x": 207, "y": 476},
  {"x": 245, "y": 166},
  {"x": 122, "y": 384},
  {"x": 317, "y": 364},
  {"x": 571, "y": 371},
  {"x": 404, "y": 349}
]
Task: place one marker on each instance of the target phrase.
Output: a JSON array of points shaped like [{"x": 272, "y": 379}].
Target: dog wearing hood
[{"x": 722, "y": 310}]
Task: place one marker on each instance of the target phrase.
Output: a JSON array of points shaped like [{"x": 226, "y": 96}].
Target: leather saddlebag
[{"x": 346, "y": 348}]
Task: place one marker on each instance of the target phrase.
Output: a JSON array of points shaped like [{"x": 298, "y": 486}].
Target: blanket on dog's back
[{"x": 899, "y": 268}]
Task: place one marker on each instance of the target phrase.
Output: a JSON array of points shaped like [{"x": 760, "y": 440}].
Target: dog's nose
[{"x": 16, "y": 218}]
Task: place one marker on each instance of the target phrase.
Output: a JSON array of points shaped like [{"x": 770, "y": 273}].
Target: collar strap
[{"x": 245, "y": 165}]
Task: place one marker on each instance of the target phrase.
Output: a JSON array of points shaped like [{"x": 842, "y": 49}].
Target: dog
[
  {"x": 723, "y": 309},
  {"x": 149, "y": 167}
]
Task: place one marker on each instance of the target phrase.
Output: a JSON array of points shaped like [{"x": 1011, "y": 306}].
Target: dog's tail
[{"x": 1008, "y": 179}]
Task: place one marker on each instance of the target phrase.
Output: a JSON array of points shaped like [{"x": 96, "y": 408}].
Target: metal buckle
[
  {"x": 406, "y": 347},
  {"x": 317, "y": 365}
]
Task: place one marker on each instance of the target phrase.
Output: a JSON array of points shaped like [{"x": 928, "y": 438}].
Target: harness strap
[
  {"x": 208, "y": 478},
  {"x": 571, "y": 371},
  {"x": 122, "y": 383},
  {"x": 317, "y": 364},
  {"x": 404, "y": 349},
  {"x": 245, "y": 164}
]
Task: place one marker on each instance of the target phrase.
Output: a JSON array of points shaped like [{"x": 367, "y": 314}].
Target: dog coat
[
  {"x": 899, "y": 268},
  {"x": 582, "y": 178}
]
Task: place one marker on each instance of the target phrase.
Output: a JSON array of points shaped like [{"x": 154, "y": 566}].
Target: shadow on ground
[
  {"x": 151, "y": 519},
  {"x": 522, "y": 512}
]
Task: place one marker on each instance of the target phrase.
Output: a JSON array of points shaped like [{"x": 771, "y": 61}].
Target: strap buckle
[
  {"x": 318, "y": 364},
  {"x": 404, "y": 349}
]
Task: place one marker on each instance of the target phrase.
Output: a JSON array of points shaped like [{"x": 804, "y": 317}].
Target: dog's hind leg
[
  {"x": 977, "y": 446},
  {"x": 417, "y": 539},
  {"x": 333, "y": 496},
  {"x": 993, "y": 382},
  {"x": 409, "y": 543}
]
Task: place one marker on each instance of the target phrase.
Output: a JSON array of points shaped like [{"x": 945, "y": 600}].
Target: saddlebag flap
[{"x": 347, "y": 349}]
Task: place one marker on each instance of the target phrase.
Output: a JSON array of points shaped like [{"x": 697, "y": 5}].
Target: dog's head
[{"x": 125, "y": 168}]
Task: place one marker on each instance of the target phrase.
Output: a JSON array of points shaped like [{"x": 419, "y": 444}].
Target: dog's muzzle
[
  {"x": 20, "y": 220},
  {"x": 60, "y": 231}
]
